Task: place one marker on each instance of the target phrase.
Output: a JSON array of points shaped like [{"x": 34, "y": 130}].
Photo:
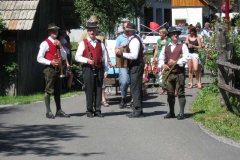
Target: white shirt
[
  {"x": 63, "y": 42},
  {"x": 134, "y": 47},
  {"x": 81, "y": 47},
  {"x": 45, "y": 48},
  {"x": 181, "y": 61},
  {"x": 205, "y": 34}
]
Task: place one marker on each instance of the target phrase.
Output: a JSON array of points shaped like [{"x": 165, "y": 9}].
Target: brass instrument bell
[{"x": 59, "y": 68}]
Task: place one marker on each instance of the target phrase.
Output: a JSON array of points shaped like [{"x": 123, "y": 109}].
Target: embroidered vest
[
  {"x": 173, "y": 55},
  {"x": 95, "y": 52},
  {"x": 52, "y": 50}
]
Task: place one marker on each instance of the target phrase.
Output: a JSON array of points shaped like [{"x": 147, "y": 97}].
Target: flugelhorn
[{"x": 59, "y": 68}]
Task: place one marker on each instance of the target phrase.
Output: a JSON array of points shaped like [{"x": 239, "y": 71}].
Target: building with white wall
[{"x": 191, "y": 11}]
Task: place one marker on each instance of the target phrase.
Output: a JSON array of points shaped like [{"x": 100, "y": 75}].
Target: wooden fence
[{"x": 226, "y": 68}]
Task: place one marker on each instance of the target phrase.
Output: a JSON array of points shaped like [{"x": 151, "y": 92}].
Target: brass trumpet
[{"x": 59, "y": 68}]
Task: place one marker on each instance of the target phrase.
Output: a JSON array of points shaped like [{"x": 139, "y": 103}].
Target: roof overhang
[
  {"x": 210, "y": 4},
  {"x": 18, "y": 15}
]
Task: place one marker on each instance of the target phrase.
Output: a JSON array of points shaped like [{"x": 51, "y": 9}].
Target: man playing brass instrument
[
  {"x": 176, "y": 78},
  {"x": 46, "y": 55}
]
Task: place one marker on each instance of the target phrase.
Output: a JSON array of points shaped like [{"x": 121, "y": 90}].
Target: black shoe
[
  {"x": 50, "y": 115},
  {"x": 169, "y": 115},
  {"x": 89, "y": 115},
  {"x": 122, "y": 103},
  {"x": 180, "y": 117},
  {"x": 131, "y": 105},
  {"x": 135, "y": 115},
  {"x": 129, "y": 114},
  {"x": 98, "y": 114},
  {"x": 62, "y": 114}
]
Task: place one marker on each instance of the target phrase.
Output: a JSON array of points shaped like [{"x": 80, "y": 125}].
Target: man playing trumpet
[{"x": 47, "y": 57}]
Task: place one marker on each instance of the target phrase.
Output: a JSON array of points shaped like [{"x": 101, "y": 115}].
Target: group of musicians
[{"x": 92, "y": 54}]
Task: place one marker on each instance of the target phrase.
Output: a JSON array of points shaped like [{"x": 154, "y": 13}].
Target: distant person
[
  {"x": 65, "y": 41},
  {"x": 199, "y": 29},
  {"x": 124, "y": 77},
  {"x": 162, "y": 41},
  {"x": 144, "y": 38},
  {"x": 212, "y": 31},
  {"x": 103, "y": 39},
  {"x": 194, "y": 43},
  {"x": 205, "y": 31},
  {"x": 167, "y": 25}
]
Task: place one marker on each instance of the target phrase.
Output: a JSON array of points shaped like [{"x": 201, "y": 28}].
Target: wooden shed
[{"x": 26, "y": 22}]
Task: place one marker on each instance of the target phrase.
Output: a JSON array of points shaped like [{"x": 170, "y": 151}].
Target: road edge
[{"x": 218, "y": 138}]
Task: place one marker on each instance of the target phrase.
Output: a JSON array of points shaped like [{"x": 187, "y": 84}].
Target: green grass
[
  {"x": 30, "y": 98},
  {"x": 207, "y": 110}
]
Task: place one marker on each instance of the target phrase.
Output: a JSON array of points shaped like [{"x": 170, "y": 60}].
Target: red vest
[
  {"x": 95, "y": 52},
  {"x": 173, "y": 55},
  {"x": 52, "y": 50}
]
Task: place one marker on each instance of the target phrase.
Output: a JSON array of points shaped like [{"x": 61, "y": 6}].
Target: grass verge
[
  {"x": 30, "y": 98},
  {"x": 219, "y": 120}
]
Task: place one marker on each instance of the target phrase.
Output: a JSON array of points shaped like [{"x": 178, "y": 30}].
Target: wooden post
[
  {"x": 227, "y": 11},
  {"x": 222, "y": 56}
]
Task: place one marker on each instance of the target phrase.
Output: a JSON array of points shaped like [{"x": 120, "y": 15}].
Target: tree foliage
[
  {"x": 2, "y": 27},
  {"x": 109, "y": 12}
]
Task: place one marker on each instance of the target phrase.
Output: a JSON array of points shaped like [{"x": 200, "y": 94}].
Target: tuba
[{"x": 59, "y": 68}]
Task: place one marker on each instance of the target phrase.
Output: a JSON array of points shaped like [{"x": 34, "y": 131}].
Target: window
[{"x": 10, "y": 47}]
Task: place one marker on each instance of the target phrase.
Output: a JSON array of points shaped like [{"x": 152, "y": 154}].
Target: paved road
[{"x": 25, "y": 134}]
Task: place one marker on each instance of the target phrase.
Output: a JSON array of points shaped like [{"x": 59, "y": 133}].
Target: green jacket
[{"x": 161, "y": 45}]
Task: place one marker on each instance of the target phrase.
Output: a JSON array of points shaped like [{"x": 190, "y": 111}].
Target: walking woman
[
  {"x": 194, "y": 43},
  {"x": 162, "y": 41}
]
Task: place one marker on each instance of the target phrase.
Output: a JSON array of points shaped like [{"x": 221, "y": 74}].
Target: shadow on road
[
  {"x": 41, "y": 140},
  {"x": 8, "y": 110},
  {"x": 78, "y": 114},
  {"x": 155, "y": 113},
  {"x": 117, "y": 113},
  {"x": 153, "y": 104},
  {"x": 91, "y": 153}
]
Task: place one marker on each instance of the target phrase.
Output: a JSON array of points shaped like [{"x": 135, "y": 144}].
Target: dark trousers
[
  {"x": 176, "y": 82},
  {"x": 53, "y": 81},
  {"x": 93, "y": 88},
  {"x": 53, "y": 85},
  {"x": 136, "y": 75}
]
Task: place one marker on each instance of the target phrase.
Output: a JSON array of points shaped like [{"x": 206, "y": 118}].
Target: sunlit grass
[
  {"x": 30, "y": 98},
  {"x": 217, "y": 119}
]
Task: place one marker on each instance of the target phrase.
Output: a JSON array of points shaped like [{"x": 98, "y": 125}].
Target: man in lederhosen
[
  {"x": 175, "y": 54},
  {"x": 91, "y": 52},
  {"x": 47, "y": 56},
  {"x": 135, "y": 56}
]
